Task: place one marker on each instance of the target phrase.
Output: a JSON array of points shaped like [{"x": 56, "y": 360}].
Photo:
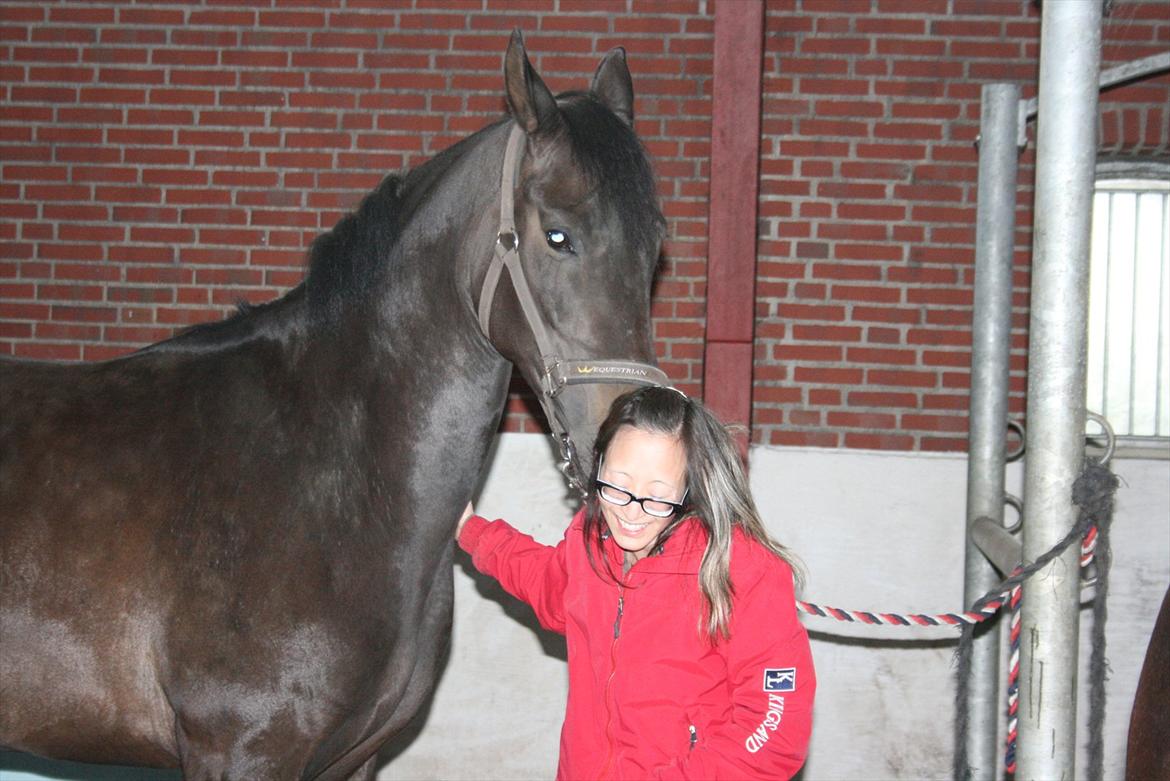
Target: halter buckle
[{"x": 553, "y": 379}]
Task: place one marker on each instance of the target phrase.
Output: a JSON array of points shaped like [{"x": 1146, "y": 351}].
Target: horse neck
[
  {"x": 446, "y": 242},
  {"x": 425, "y": 337}
]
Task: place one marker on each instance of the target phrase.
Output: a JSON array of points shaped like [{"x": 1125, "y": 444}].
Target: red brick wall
[
  {"x": 867, "y": 211},
  {"x": 159, "y": 162}
]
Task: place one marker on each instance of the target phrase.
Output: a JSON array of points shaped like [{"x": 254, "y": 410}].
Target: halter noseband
[{"x": 557, "y": 372}]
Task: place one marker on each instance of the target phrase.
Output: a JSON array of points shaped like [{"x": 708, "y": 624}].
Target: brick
[
  {"x": 161, "y": 235},
  {"x": 883, "y": 441},
  {"x": 140, "y": 295},
  {"x": 871, "y": 211},
  {"x": 946, "y": 423},
  {"x": 824, "y": 396},
  {"x": 132, "y": 254},
  {"x": 69, "y": 313},
  {"x": 901, "y": 377},
  {"x": 942, "y": 358},
  {"x": 869, "y": 252},
  {"x": 811, "y": 312},
  {"x": 802, "y": 417},
  {"x": 882, "y": 399},
  {"x": 943, "y": 444},
  {"x": 870, "y": 420},
  {"x": 806, "y": 352},
  {"x": 945, "y": 401},
  {"x": 831, "y": 376},
  {"x": 826, "y": 333},
  {"x": 872, "y": 355},
  {"x": 47, "y": 352}
]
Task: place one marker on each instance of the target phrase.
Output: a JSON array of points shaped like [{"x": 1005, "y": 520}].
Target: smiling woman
[
  {"x": 686, "y": 658},
  {"x": 653, "y": 464}
]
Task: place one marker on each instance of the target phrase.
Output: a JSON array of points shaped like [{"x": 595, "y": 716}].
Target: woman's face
[{"x": 648, "y": 465}]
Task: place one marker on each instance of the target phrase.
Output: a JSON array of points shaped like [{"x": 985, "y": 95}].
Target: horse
[
  {"x": 1147, "y": 755},
  {"x": 231, "y": 552}
]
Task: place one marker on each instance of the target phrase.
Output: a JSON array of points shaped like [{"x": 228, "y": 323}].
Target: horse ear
[
  {"x": 530, "y": 101},
  {"x": 612, "y": 85}
]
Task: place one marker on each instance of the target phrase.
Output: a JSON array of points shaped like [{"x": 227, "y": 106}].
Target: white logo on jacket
[{"x": 757, "y": 739}]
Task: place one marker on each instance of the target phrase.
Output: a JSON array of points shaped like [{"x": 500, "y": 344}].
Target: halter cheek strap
[
  {"x": 556, "y": 372},
  {"x": 507, "y": 250}
]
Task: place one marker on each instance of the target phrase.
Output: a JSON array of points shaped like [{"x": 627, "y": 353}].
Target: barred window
[{"x": 1128, "y": 372}]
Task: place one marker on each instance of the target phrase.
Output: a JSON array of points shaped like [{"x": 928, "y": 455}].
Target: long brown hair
[{"x": 719, "y": 496}]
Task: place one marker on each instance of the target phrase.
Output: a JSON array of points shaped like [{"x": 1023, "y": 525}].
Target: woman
[{"x": 686, "y": 658}]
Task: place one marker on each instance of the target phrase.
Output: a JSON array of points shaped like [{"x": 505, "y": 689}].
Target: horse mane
[
  {"x": 349, "y": 261},
  {"x": 346, "y": 264}
]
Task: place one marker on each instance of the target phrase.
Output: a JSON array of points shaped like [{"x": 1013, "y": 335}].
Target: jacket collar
[{"x": 682, "y": 553}]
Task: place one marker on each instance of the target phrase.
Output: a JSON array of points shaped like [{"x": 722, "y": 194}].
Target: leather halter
[{"x": 557, "y": 372}]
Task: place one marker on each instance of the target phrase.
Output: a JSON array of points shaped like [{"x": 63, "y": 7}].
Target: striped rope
[
  {"x": 900, "y": 619},
  {"x": 989, "y": 609},
  {"x": 1088, "y": 549},
  {"x": 1088, "y": 546},
  {"x": 1013, "y": 690}
]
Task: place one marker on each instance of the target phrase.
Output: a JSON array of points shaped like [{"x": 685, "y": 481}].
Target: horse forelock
[{"x": 611, "y": 156}]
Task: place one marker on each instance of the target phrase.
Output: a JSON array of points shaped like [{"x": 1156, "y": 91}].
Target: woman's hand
[{"x": 468, "y": 511}]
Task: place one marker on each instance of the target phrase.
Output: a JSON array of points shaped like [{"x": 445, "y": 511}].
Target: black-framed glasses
[{"x": 659, "y": 508}]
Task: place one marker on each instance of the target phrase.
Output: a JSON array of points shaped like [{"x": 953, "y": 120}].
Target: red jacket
[{"x": 649, "y": 696}]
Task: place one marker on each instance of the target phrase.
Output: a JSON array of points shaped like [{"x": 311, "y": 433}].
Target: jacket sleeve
[
  {"x": 772, "y": 684},
  {"x": 528, "y": 570}
]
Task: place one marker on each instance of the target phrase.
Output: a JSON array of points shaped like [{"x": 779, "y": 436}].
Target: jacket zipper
[
  {"x": 617, "y": 631},
  {"x": 694, "y": 737}
]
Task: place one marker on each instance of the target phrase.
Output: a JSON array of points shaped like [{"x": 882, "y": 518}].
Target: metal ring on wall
[
  {"x": 1018, "y": 504},
  {"x": 1018, "y": 427},
  {"x": 1110, "y": 437}
]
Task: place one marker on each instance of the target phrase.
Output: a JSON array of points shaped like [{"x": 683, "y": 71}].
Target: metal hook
[
  {"x": 567, "y": 465},
  {"x": 1110, "y": 437}
]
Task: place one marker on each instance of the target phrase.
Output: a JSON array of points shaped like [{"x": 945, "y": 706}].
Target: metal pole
[
  {"x": 1066, "y": 148},
  {"x": 991, "y": 343}
]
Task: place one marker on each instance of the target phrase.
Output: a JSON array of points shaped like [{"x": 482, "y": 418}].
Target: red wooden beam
[{"x": 731, "y": 252}]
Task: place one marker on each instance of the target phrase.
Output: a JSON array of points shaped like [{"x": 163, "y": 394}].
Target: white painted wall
[{"x": 877, "y": 531}]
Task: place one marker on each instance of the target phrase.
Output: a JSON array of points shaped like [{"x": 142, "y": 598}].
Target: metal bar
[
  {"x": 1115, "y": 76},
  {"x": 995, "y": 223},
  {"x": 1066, "y": 149},
  {"x": 1005, "y": 553}
]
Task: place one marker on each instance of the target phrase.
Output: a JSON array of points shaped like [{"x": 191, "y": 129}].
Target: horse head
[{"x": 580, "y": 235}]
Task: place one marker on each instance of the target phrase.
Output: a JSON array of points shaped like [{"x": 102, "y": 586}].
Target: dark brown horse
[
  {"x": 231, "y": 552},
  {"x": 1147, "y": 755}
]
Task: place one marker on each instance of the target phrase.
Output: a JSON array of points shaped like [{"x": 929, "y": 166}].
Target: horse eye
[{"x": 559, "y": 240}]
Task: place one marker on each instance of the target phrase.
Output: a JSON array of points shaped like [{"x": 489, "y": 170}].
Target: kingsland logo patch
[
  {"x": 756, "y": 740},
  {"x": 611, "y": 370},
  {"x": 780, "y": 680}
]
